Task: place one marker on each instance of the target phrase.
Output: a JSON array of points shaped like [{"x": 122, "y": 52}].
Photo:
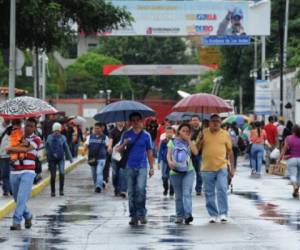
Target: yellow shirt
[{"x": 214, "y": 150}]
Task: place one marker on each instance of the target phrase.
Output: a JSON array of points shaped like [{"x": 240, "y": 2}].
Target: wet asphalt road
[{"x": 262, "y": 216}]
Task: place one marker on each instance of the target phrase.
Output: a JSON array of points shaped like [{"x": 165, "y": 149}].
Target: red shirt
[{"x": 272, "y": 133}]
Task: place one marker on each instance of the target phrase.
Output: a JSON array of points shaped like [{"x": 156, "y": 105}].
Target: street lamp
[{"x": 108, "y": 92}]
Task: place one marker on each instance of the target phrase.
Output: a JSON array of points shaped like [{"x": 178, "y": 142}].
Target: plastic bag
[{"x": 275, "y": 154}]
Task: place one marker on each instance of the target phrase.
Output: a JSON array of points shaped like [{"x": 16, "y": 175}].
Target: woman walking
[
  {"x": 291, "y": 149},
  {"x": 182, "y": 172},
  {"x": 257, "y": 138}
]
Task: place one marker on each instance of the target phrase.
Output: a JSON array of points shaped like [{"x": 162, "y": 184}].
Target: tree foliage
[
  {"x": 85, "y": 76},
  {"x": 3, "y": 71},
  {"x": 49, "y": 23},
  {"x": 149, "y": 50}
]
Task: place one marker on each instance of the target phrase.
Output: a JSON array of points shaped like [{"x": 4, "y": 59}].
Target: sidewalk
[{"x": 7, "y": 204}]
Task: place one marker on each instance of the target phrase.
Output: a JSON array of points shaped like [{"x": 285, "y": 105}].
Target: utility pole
[
  {"x": 12, "y": 50},
  {"x": 286, "y": 28},
  {"x": 281, "y": 54},
  {"x": 263, "y": 58}
]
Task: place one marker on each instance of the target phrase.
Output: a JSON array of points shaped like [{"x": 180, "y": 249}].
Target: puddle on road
[
  {"x": 2, "y": 240},
  {"x": 41, "y": 243},
  {"x": 55, "y": 223},
  {"x": 270, "y": 211}
]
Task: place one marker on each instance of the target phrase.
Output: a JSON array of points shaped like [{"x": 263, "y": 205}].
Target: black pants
[
  {"x": 106, "y": 168},
  {"x": 53, "y": 166},
  {"x": 235, "y": 151}
]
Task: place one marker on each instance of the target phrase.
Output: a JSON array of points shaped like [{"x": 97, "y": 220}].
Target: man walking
[
  {"x": 196, "y": 159},
  {"x": 22, "y": 174},
  {"x": 97, "y": 145},
  {"x": 5, "y": 129},
  {"x": 139, "y": 144},
  {"x": 118, "y": 172},
  {"x": 57, "y": 147},
  {"x": 216, "y": 150}
]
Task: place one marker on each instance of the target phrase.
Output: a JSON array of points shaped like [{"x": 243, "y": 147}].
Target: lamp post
[
  {"x": 12, "y": 50},
  {"x": 108, "y": 92}
]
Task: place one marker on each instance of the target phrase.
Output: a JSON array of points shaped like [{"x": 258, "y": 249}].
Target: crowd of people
[{"x": 193, "y": 150}]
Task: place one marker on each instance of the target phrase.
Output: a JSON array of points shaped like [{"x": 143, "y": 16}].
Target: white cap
[{"x": 56, "y": 126}]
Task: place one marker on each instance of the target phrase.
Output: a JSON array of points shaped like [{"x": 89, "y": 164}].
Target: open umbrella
[
  {"x": 25, "y": 106},
  {"x": 79, "y": 120},
  {"x": 202, "y": 103},
  {"x": 120, "y": 111},
  {"x": 182, "y": 116},
  {"x": 238, "y": 119}
]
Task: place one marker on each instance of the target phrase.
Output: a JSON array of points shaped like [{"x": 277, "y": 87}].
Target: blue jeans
[
  {"x": 294, "y": 170},
  {"x": 97, "y": 173},
  {"x": 257, "y": 154},
  {"x": 137, "y": 182},
  {"x": 53, "y": 166},
  {"x": 21, "y": 185},
  {"x": 215, "y": 186},
  {"x": 183, "y": 187},
  {"x": 119, "y": 179},
  {"x": 5, "y": 169},
  {"x": 196, "y": 163}
]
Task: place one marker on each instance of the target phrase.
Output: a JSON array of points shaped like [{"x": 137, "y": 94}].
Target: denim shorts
[{"x": 294, "y": 169}]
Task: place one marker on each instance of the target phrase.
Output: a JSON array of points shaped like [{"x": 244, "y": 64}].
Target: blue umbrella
[{"x": 120, "y": 111}]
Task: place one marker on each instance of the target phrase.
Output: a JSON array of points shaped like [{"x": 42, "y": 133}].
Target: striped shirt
[{"x": 28, "y": 163}]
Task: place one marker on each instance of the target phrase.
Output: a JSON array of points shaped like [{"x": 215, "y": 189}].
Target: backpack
[
  {"x": 57, "y": 148},
  {"x": 234, "y": 138},
  {"x": 181, "y": 156}
]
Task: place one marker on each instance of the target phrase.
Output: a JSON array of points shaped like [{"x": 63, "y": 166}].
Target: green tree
[
  {"x": 48, "y": 23},
  {"x": 150, "y": 50},
  {"x": 3, "y": 71},
  {"x": 85, "y": 76}
]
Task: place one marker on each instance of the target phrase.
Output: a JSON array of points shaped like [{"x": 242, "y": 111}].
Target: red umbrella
[{"x": 202, "y": 103}]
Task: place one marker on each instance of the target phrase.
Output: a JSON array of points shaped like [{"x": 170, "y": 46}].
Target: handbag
[
  {"x": 122, "y": 163},
  {"x": 93, "y": 161}
]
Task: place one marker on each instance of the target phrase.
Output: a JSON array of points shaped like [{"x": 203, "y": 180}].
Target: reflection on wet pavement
[
  {"x": 270, "y": 211},
  {"x": 55, "y": 224}
]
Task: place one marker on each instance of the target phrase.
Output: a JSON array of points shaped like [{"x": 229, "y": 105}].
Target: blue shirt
[{"x": 137, "y": 157}]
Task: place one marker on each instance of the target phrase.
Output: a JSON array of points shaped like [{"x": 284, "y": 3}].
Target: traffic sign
[{"x": 226, "y": 40}]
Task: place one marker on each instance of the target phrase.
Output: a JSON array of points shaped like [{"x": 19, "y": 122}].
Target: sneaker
[
  {"x": 178, "y": 221},
  {"x": 171, "y": 194},
  {"x": 117, "y": 193},
  {"x": 143, "y": 220},
  {"x": 52, "y": 194},
  {"x": 61, "y": 193},
  {"x": 188, "y": 220},
  {"x": 5, "y": 193},
  {"x": 253, "y": 173},
  {"x": 123, "y": 195},
  {"x": 199, "y": 193},
  {"x": 223, "y": 218},
  {"x": 165, "y": 193},
  {"x": 15, "y": 227},
  {"x": 134, "y": 221},
  {"x": 97, "y": 190},
  {"x": 212, "y": 220},
  {"x": 104, "y": 185},
  {"x": 28, "y": 223}
]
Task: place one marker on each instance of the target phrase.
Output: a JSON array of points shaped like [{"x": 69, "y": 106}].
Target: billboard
[
  {"x": 263, "y": 97},
  {"x": 188, "y": 18},
  {"x": 159, "y": 69}
]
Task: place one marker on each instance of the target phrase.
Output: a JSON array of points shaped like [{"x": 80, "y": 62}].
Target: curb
[{"x": 37, "y": 189}]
